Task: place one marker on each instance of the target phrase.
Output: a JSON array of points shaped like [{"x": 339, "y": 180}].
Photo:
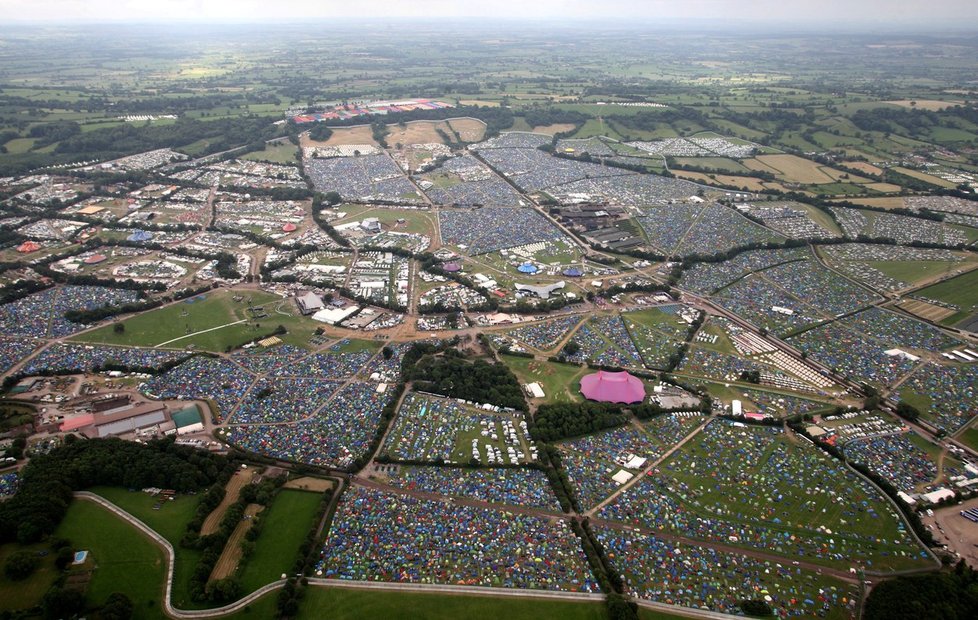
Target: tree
[
  {"x": 117, "y": 607},
  {"x": 572, "y": 348},
  {"x": 756, "y": 608},
  {"x": 119, "y": 328},
  {"x": 20, "y": 565},
  {"x": 59, "y": 603}
]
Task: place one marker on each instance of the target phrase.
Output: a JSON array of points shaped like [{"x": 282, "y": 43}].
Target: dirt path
[{"x": 231, "y": 556}]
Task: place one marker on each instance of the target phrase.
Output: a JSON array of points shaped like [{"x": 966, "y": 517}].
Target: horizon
[{"x": 806, "y": 15}]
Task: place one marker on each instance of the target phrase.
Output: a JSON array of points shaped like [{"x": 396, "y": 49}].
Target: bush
[{"x": 20, "y": 565}]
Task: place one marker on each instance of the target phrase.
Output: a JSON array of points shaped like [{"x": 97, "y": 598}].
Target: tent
[{"x": 613, "y": 387}]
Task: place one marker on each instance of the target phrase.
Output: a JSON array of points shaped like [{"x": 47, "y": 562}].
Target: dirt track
[
  {"x": 232, "y": 491},
  {"x": 228, "y": 562}
]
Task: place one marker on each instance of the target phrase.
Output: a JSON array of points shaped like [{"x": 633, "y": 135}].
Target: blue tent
[{"x": 527, "y": 268}]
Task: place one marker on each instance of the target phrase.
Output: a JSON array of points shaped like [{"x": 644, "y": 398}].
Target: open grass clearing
[
  {"x": 469, "y": 129},
  {"x": 170, "y": 522},
  {"x": 926, "y": 178},
  {"x": 360, "y": 134},
  {"x": 286, "y": 523},
  {"x": 282, "y": 152},
  {"x": 122, "y": 558},
  {"x": 353, "y": 604},
  {"x": 560, "y": 382},
  {"x": 793, "y": 169},
  {"x": 961, "y": 291}
]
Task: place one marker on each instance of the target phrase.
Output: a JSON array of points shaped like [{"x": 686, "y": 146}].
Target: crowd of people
[
  {"x": 377, "y": 536},
  {"x": 12, "y": 350},
  {"x": 480, "y": 231},
  {"x": 895, "y": 458},
  {"x": 708, "y": 278},
  {"x": 951, "y": 390},
  {"x": 510, "y": 486},
  {"x": 469, "y": 183}
]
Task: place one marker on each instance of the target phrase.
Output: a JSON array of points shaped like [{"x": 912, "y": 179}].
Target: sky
[{"x": 935, "y": 13}]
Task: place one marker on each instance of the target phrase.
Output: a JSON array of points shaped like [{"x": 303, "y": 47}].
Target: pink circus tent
[{"x": 613, "y": 387}]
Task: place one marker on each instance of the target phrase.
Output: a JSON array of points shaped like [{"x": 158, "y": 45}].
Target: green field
[
  {"x": 969, "y": 438},
  {"x": 961, "y": 291},
  {"x": 350, "y": 604},
  {"x": 911, "y": 271},
  {"x": 286, "y": 523},
  {"x": 178, "y": 325},
  {"x": 27, "y": 593},
  {"x": 124, "y": 560},
  {"x": 560, "y": 382},
  {"x": 283, "y": 152},
  {"x": 170, "y": 522}
]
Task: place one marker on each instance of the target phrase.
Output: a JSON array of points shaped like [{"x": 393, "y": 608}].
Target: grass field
[
  {"x": 560, "y": 382},
  {"x": 469, "y": 129},
  {"x": 752, "y": 184},
  {"x": 792, "y": 168},
  {"x": 961, "y": 291},
  {"x": 912, "y": 271},
  {"x": 350, "y": 604},
  {"x": 969, "y": 437},
  {"x": 927, "y": 178},
  {"x": 286, "y": 524},
  {"x": 361, "y": 134},
  {"x": 124, "y": 559},
  {"x": 177, "y": 325},
  {"x": 283, "y": 152},
  {"x": 27, "y": 593},
  {"x": 170, "y": 522}
]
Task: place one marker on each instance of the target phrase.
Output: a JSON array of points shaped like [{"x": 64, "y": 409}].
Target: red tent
[{"x": 613, "y": 387}]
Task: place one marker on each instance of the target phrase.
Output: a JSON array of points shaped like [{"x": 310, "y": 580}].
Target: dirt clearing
[{"x": 309, "y": 483}]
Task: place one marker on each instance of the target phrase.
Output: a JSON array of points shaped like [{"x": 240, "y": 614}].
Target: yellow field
[
  {"x": 753, "y": 184},
  {"x": 418, "y": 132},
  {"x": 469, "y": 129},
  {"x": 864, "y": 167},
  {"x": 925, "y": 310},
  {"x": 231, "y": 555},
  {"x": 308, "y": 483},
  {"x": 925, "y": 104},
  {"x": 553, "y": 129},
  {"x": 361, "y": 134},
  {"x": 886, "y": 188},
  {"x": 793, "y": 169},
  {"x": 894, "y": 202},
  {"x": 231, "y": 492},
  {"x": 479, "y": 102},
  {"x": 927, "y": 178}
]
